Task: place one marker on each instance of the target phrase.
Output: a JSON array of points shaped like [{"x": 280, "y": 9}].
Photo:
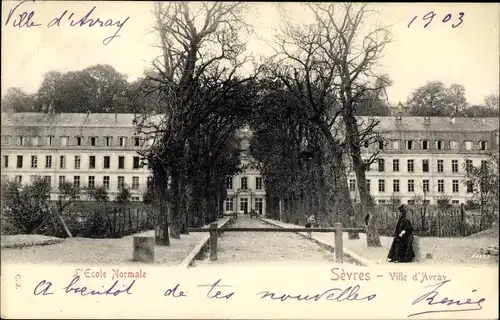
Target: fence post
[
  {"x": 114, "y": 222},
  {"x": 129, "y": 219},
  {"x": 438, "y": 216},
  {"x": 462, "y": 220},
  {"x": 124, "y": 217},
  {"x": 213, "y": 241},
  {"x": 137, "y": 220},
  {"x": 339, "y": 254}
]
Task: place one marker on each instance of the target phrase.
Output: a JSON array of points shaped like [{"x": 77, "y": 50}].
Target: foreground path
[
  {"x": 244, "y": 247},
  {"x": 103, "y": 251},
  {"x": 459, "y": 250}
]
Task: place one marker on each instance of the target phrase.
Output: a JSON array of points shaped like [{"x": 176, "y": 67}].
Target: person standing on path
[
  {"x": 310, "y": 223},
  {"x": 402, "y": 245}
]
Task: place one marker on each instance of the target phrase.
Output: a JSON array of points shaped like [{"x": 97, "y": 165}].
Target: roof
[
  {"x": 389, "y": 123},
  {"x": 462, "y": 124},
  {"x": 33, "y": 119}
]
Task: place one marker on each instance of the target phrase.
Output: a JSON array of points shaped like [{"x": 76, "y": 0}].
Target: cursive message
[
  {"x": 440, "y": 303},
  {"x": 20, "y": 16},
  {"x": 435, "y": 299},
  {"x": 44, "y": 288},
  {"x": 216, "y": 290}
]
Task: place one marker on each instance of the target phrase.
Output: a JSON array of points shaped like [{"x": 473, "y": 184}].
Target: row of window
[
  {"x": 76, "y": 181},
  {"x": 426, "y": 145},
  {"x": 410, "y": 187},
  {"x": 244, "y": 183},
  {"x": 410, "y": 165},
  {"x": 78, "y": 141},
  {"x": 49, "y": 164},
  {"x": 258, "y": 205}
]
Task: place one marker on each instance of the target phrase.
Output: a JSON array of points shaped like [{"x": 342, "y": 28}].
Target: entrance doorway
[
  {"x": 258, "y": 205},
  {"x": 244, "y": 205}
]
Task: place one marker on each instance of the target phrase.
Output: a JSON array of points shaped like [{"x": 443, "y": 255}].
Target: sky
[{"x": 468, "y": 54}]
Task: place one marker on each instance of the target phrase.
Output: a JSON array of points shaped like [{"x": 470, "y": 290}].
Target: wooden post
[
  {"x": 114, "y": 222},
  {"x": 339, "y": 254},
  {"x": 122, "y": 222},
  {"x": 438, "y": 222},
  {"x": 417, "y": 249},
  {"x": 129, "y": 219},
  {"x": 137, "y": 220},
  {"x": 213, "y": 241},
  {"x": 462, "y": 220},
  {"x": 144, "y": 249}
]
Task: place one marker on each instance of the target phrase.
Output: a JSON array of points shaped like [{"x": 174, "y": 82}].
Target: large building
[
  {"x": 84, "y": 149},
  {"x": 420, "y": 159},
  {"x": 245, "y": 191}
]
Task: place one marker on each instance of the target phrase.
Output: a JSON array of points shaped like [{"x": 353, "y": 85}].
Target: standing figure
[
  {"x": 402, "y": 245},
  {"x": 310, "y": 222}
]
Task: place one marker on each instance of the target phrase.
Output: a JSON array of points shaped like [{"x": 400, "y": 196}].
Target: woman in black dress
[{"x": 402, "y": 245}]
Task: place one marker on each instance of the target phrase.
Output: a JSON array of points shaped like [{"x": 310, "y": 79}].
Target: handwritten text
[{"x": 19, "y": 17}]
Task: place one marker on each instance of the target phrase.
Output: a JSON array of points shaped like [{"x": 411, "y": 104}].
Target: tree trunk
[
  {"x": 183, "y": 205},
  {"x": 175, "y": 203},
  {"x": 343, "y": 196},
  {"x": 161, "y": 207},
  {"x": 372, "y": 235}
]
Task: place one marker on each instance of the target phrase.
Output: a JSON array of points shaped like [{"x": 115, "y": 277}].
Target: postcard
[{"x": 249, "y": 160}]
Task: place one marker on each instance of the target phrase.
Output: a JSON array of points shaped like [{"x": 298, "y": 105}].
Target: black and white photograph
[{"x": 314, "y": 160}]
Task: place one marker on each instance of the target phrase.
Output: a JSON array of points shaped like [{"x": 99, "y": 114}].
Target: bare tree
[
  {"x": 330, "y": 65},
  {"x": 354, "y": 53},
  {"x": 202, "y": 47},
  {"x": 303, "y": 69}
]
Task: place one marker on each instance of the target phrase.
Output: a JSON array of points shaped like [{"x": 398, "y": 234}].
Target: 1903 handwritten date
[{"x": 455, "y": 20}]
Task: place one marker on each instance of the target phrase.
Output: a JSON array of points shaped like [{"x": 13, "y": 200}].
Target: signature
[
  {"x": 451, "y": 305},
  {"x": 20, "y": 18},
  {"x": 334, "y": 294}
]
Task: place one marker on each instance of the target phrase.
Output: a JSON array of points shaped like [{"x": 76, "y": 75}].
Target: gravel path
[{"x": 244, "y": 247}]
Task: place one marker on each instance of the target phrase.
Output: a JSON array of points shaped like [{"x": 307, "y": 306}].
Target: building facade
[
  {"x": 245, "y": 191},
  {"x": 423, "y": 158},
  {"x": 420, "y": 158},
  {"x": 84, "y": 149}
]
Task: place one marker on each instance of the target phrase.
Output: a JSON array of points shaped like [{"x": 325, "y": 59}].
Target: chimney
[
  {"x": 116, "y": 117},
  {"x": 452, "y": 120},
  {"x": 427, "y": 120},
  {"x": 484, "y": 120},
  {"x": 88, "y": 113},
  {"x": 399, "y": 120}
]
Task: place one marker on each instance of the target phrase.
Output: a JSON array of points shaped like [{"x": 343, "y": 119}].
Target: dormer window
[
  {"x": 123, "y": 141},
  {"x": 381, "y": 145},
  {"x": 425, "y": 144},
  {"x": 439, "y": 145},
  {"x": 409, "y": 144},
  {"x": 483, "y": 145}
]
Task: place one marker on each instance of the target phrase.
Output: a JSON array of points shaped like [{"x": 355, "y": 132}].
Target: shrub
[{"x": 25, "y": 208}]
